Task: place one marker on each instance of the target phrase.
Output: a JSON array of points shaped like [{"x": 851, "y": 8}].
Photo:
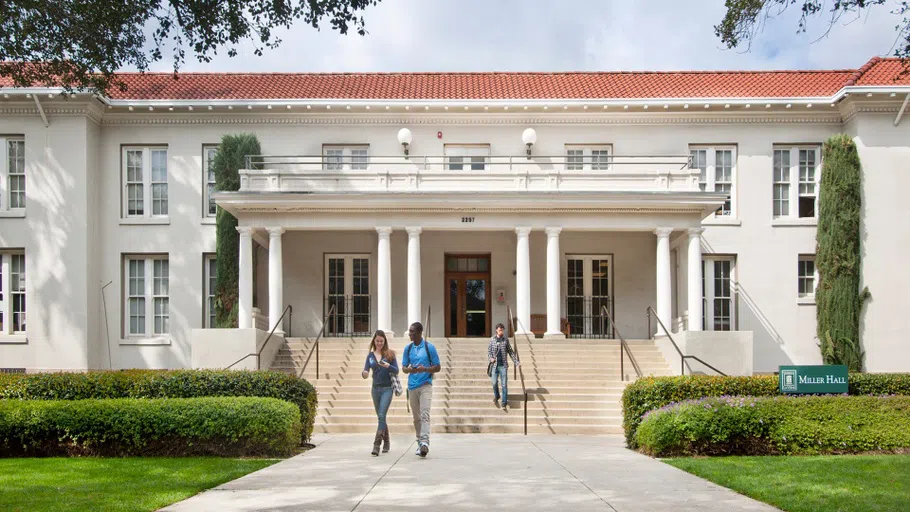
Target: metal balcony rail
[
  {"x": 585, "y": 318},
  {"x": 351, "y": 316}
]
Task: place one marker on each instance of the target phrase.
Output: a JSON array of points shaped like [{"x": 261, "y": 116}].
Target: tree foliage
[
  {"x": 80, "y": 44},
  {"x": 227, "y": 164},
  {"x": 745, "y": 19},
  {"x": 838, "y": 296}
]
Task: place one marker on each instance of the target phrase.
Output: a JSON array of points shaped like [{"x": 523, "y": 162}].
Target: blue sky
[{"x": 567, "y": 35}]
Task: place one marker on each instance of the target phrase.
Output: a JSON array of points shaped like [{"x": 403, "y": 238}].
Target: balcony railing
[
  {"x": 467, "y": 173},
  {"x": 350, "y": 317},
  {"x": 586, "y": 319}
]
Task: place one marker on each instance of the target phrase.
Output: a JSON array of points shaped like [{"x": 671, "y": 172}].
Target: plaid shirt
[{"x": 501, "y": 346}]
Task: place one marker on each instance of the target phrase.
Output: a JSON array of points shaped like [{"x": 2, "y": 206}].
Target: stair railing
[
  {"x": 258, "y": 354},
  {"x": 325, "y": 322},
  {"x": 682, "y": 370},
  {"x": 518, "y": 369},
  {"x": 623, "y": 347}
]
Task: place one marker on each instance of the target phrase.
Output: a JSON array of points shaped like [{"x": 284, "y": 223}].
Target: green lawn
[
  {"x": 795, "y": 484},
  {"x": 92, "y": 483}
]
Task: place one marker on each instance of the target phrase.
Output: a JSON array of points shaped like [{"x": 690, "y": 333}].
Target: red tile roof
[{"x": 505, "y": 86}]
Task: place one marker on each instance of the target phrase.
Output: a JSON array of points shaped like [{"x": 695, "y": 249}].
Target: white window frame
[
  {"x": 7, "y": 295},
  {"x": 6, "y": 175},
  {"x": 349, "y": 283},
  {"x": 587, "y": 286},
  {"x": 793, "y": 181},
  {"x": 147, "y": 262},
  {"x": 210, "y": 273},
  {"x": 146, "y": 182},
  {"x": 208, "y": 179},
  {"x": 588, "y": 157},
  {"x": 806, "y": 298},
  {"x": 708, "y": 181},
  {"x": 466, "y": 157},
  {"x": 345, "y": 157},
  {"x": 708, "y": 296}
]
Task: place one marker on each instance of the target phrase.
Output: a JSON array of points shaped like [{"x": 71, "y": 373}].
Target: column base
[{"x": 554, "y": 335}]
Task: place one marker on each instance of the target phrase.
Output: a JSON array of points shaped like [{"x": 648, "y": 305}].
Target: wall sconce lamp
[
  {"x": 529, "y": 138},
  {"x": 404, "y": 137}
]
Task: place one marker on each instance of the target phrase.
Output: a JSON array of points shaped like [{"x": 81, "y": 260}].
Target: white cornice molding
[
  {"x": 473, "y": 119},
  {"x": 853, "y": 109},
  {"x": 93, "y": 113},
  {"x": 458, "y": 209}
]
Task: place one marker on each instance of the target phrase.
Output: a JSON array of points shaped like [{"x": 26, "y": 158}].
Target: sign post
[{"x": 820, "y": 379}]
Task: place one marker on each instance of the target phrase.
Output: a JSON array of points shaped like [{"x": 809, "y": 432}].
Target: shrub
[
  {"x": 224, "y": 426},
  {"x": 167, "y": 384},
  {"x": 799, "y": 425},
  {"x": 651, "y": 393}
]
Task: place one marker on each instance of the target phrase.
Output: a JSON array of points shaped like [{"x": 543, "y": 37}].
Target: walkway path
[{"x": 471, "y": 472}]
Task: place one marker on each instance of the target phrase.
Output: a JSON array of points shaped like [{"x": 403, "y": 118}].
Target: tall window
[
  {"x": 145, "y": 181},
  {"x": 467, "y": 157},
  {"x": 338, "y": 158},
  {"x": 807, "y": 277},
  {"x": 796, "y": 176},
  {"x": 583, "y": 157},
  {"x": 208, "y": 159},
  {"x": 717, "y": 289},
  {"x": 347, "y": 288},
  {"x": 211, "y": 274},
  {"x": 717, "y": 173},
  {"x": 12, "y": 174},
  {"x": 12, "y": 293},
  {"x": 146, "y": 300}
]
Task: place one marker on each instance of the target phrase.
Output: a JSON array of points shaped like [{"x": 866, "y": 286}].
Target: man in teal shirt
[{"x": 420, "y": 361}]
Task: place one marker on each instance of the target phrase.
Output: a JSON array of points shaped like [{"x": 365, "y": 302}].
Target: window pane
[
  {"x": 359, "y": 158},
  {"x": 574, "y": 159},
  {"x": 333, "y": 159},
  {"x": 160, "y": 277},
  {"x": 699, "y": 160},
  {"x": 600, "y": 159}
]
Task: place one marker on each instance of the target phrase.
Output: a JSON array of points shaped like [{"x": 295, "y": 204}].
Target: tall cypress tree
[
  {"x": 838, "y": 296},
  {"x": 227, "y": 164}
]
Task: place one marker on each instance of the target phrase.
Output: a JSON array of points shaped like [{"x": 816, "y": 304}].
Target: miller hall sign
[{"x": 828, "y": 379}]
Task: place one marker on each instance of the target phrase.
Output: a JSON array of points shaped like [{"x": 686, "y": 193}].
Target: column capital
[
  {"x": 414, "y": 232},
  {"x": 245, "y": 231},
  {"x": 663, "y": 232},
  {"x": 552, "y": 232},
  {"x": 523, "y": 231},
  {"x": 275, "y": 232},
  {"x": 384, "y": 231},
  {"x": 695, "y": 232}
]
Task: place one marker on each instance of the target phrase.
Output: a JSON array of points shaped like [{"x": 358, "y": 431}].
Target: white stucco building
[{"x": 694, "y": 193}]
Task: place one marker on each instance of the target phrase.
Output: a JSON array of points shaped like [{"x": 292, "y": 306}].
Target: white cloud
[{"x": 513, "y": 35}]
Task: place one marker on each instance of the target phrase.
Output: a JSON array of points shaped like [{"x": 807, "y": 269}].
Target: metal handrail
[
  {"x": 258, "y": 353},
  {"x": 560, "y": 162},
  {"x": 518, "y": 369},
  {"x": 325, "y": 321},
  {"x": 622, "y": 346},
  {"x": 426, "y": 327},
  {"x": 678, "y": 351}
]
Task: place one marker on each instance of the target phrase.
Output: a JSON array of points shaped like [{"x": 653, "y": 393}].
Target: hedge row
[
  {"x": 650, "y": 393},
  {"x": 166, "y": 384},
  {"x": 224, "y": 426},
  {"x": 799, "y": 425}
]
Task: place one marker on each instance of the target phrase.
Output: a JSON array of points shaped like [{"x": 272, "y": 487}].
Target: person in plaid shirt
[{"x": 498, "y": 350}]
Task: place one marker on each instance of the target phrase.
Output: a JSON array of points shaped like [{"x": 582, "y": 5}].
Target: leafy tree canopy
[{"x": 80, "y": 44}]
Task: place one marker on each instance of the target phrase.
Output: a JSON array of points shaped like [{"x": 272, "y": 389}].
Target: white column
[
  {"x": 663, "y": 278},
  {"x": 245, "y": 263},
  {"x": 553, "y": 259},
  {"x": 523, "y": 281},
  {"x": 413, "y": 276},
  {"x": 384, "y": 295},
  {"x": 276, "y": 281},
  {"x": 694, "y": 283}
]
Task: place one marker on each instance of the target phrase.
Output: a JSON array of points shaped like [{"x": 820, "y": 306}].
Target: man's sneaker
[
  {"x": 423, "y": 450},
  {"x": 417, "y": 451},
  {"x": 505, "y": 407},
  {"x": 495, "y": 402}
]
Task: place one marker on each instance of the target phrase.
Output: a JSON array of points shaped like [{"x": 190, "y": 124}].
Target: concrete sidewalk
[{"x": 470, "y": 472}]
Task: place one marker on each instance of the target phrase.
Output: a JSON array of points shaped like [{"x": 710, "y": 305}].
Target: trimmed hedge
[
  {"x": 650, "y": 393},
  {"x": 167, "y": 384},
  {"x": 799, "y": 425},
  {"x": 224, "y": 426}
]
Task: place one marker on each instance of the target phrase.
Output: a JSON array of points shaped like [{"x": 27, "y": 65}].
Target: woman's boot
[
  {"x": 385, "y": 440},
  {"x": 376, "y": 442}
]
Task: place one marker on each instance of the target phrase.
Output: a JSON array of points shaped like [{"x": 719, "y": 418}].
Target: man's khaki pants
[{"x": 420, "y": 399}]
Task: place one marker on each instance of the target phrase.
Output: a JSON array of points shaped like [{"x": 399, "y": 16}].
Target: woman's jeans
[
  {"x": 500, "y": 376},
  {"x": 382, "y": 399}
]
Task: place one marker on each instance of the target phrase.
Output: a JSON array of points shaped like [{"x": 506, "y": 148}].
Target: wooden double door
[{"x": 468, "y": 296}]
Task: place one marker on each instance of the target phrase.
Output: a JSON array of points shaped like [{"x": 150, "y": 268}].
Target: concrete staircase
[{"x": 576, "y": 384}]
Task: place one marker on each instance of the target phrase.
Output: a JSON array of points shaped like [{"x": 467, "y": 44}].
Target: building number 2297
[{"x": 467, "y": 219}]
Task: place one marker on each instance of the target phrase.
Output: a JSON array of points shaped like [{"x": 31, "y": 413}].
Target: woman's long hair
[{"x": 386, "y": 351}]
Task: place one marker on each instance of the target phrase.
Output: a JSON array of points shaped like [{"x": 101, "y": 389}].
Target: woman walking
[{"x": 384, "y": 365}]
